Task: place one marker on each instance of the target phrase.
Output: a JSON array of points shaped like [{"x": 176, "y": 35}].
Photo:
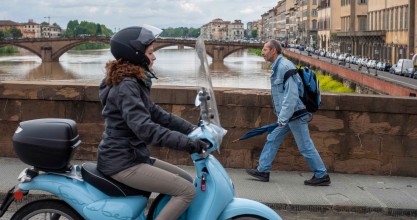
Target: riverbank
[{"x": 8, "y": 50}]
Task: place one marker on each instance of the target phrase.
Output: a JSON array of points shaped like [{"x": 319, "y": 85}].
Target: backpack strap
[{"x": 288, "y": 74}]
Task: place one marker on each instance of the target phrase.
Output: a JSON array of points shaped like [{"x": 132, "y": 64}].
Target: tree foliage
[
  {"x": 85, "y": 28},
  {"x": 11, "y": 33},
  {"x": 182, "y": 32},
  {"x": 15, "y": 33},
  {"x": 254, "y": 34}
]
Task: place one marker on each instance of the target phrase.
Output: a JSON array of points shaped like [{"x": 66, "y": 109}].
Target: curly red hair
[{"x": 117, "y": 70}]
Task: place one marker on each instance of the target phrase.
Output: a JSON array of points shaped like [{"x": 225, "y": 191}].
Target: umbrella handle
[{"x": 235, "y": 140}]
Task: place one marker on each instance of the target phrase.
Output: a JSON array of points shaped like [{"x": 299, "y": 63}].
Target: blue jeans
[{"x": 299, "y": 129}]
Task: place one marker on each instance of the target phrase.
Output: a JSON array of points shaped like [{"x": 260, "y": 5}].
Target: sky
[{"x": 117, "y": 14}]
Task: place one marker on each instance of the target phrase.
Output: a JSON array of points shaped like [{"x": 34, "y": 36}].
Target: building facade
[
  {"x": 218, "y": 29},
  {"x": 51, "y": 31},
  {"x": 328, "y": 24},
  {"x": 376, "y": 29},
  {"x": 235, "y": 30},
  {"x": 31, "y": 29},
  {"x": 306, "y": 21}
]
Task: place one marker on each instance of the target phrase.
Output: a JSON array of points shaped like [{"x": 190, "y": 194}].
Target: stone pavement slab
[{"x": 388, "y": 195}]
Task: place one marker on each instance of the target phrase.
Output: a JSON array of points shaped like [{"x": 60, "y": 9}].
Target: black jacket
[{"x": 133, "y": 121}]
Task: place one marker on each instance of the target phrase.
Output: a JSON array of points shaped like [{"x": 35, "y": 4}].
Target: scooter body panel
[
  {"x": 209, "y": 203},
  {"x": 242, "y": 207},
  {"x": 87, "y": 200}
]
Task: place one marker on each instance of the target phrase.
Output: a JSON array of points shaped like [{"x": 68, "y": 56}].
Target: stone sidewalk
[{"x": 387, "y": 195}]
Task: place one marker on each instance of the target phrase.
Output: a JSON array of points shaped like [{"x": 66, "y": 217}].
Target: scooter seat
[{"x": 106, "y": 184}]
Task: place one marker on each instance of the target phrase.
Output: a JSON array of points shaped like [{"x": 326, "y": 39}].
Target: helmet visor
[{"x": 148, "y": 34}]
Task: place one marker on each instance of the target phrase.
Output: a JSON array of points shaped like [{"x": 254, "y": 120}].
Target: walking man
[{"x": 292, "y": 115}]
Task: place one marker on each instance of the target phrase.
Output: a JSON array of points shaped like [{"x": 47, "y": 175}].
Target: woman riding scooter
[{"x": 133, "y": 121}]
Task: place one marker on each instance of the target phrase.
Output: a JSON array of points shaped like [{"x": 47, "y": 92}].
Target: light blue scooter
[{"x": 82, "y": 192}]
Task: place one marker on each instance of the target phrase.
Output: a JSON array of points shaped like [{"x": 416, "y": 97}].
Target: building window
[
  {"x": 314, "y": 13},
  {"x": 362, "y": 23},
  {"x": 401, "y": 18},
  {"x": 371, "y": 21},
  {"x": 362, "y": 1},
  {"x": 314, "y": 2},
  {"x": 406, "y": 18},
  {"x": 379, "y": 20},
  {"x": 392, "y": 20},
  {"x": 396, "y": 18},
  {"x": 345, "y": 2},
  {"x": 314, "y": 24}
]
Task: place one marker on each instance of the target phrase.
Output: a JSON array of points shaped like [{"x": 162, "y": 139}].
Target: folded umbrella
[{"x": 258, "y": 131}]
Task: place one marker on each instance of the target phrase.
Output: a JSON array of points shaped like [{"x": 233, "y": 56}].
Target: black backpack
[{"x": 311, "y": 97}]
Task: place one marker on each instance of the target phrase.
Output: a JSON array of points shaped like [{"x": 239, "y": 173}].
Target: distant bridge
[{"x": 50, "y": 49}]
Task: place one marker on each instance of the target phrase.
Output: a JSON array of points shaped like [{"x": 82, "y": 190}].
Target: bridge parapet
[{"x": 362, "y": 134}]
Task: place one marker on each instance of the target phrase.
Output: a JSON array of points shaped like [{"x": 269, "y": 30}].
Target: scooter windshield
[{"x": 205, "y": 94}]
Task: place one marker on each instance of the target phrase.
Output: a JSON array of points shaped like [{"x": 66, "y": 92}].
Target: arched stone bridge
[{"x": 50, "y": 49}]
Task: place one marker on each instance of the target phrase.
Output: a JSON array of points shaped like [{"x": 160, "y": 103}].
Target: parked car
[
  {"x": 371, "y": 64},
  {"x": 348, "y": 58},
  {"x": 392, "y": 69},
  {"x": 414, "y": 75},
  {"x": 387, "y": 67},
  {"x": 352, "y": 59},
  {"x": 409, "y": 72},
  {"x": 343, "y": 56},
  {"x": 402, "y": 66},
  {"x": 364, "y": 61},
  {"x": 380, "y": 65}
]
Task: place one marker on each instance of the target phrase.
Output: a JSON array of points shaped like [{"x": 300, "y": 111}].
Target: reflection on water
[{"x": 173, "y": 67}]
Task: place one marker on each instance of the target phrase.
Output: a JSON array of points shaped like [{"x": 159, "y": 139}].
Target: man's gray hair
[{"x": 275, "y": 44}]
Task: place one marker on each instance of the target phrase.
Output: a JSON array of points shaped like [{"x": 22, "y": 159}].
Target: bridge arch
[
  {"x": 22, "y": 46},
  {"x": 66, "y": 48},
  {"x": 235, "y": 50}
]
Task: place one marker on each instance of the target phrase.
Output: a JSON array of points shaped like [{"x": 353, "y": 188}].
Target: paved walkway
[{"x": 388, "y": 195}]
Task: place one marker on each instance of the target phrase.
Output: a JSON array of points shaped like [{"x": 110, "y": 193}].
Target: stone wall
[{"x": 361, "y": 134}]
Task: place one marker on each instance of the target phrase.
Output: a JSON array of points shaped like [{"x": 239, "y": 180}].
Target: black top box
[{"x": 47, "y": 144}]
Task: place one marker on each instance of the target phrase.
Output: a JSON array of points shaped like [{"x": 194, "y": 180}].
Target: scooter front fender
[{"x": 245, "y": 207}]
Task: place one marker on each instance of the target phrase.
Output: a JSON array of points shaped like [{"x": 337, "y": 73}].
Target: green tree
[
  {"x": 71, "y": 27},
  {"x": 75, "y": 28},
  {"x": 98, "y": 30},
  {"x": 254, "y": 34},
  {"x": 180, "y": 32},
  {"x": 1, "y": 35},
  {"x": 194, "y": 32},
  {"x": 16, "y": 33}
]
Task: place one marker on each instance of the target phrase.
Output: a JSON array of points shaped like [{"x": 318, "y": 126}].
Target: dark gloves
[{"x": 196, "y": 146}]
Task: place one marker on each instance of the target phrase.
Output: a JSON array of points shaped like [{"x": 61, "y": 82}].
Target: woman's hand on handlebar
[{"x": 197, "y": 146}]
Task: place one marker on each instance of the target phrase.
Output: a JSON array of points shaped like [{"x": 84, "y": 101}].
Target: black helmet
[{"x": 129, "y": 44}]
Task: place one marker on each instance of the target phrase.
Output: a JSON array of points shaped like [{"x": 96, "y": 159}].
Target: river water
[{"x": 172, "y": 66}]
